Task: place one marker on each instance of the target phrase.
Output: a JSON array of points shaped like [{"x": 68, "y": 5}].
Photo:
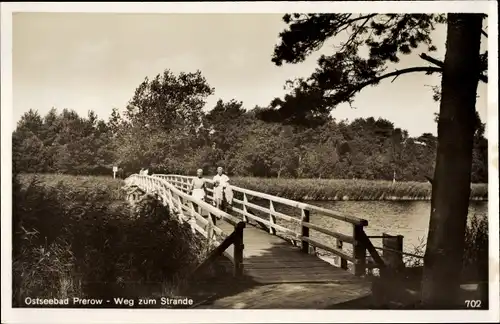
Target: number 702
[{"x": 473, "y": 303}]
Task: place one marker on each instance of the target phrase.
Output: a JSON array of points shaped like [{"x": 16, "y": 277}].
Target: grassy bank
[
  {"x": 77, "y": 236},
  {"x": 393, "y": 290},
  {"x": 475, "y": 261},
  {"x": 340, "y": 189}
]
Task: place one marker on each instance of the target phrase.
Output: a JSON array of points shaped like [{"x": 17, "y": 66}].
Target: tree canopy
[
  {"x": 227, "y": 134},
  {"x": 374, "y": 44},
  {"x": 164, "y": 127}
]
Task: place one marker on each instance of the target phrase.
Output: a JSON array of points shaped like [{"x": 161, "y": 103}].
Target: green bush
[{"x": 77, "y": 236}]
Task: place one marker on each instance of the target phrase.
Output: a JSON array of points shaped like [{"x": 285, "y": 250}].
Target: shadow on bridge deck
[{"x": 278, "y": 275}]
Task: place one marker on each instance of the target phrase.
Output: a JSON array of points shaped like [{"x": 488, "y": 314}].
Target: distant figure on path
[
  {"x": 223, "y": 195},
  {"x": 146, "y": 172},
  {"x": 141, "y": 172}
]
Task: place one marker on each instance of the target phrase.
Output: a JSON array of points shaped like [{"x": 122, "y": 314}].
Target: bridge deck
[
  {"x": 271, "y": 259},
  {"x": 280, "y": 274},
  {"x": 288, "y": 277}
]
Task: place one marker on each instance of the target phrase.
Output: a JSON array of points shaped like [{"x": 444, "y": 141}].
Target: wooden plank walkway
[
  {"x": 276, "y": 274},
  {"x": 289, "y": 277},
  {"x": 270, "y": 259}
]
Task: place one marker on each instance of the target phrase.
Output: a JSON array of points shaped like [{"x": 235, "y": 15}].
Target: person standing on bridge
[
  {"x": 222, "y": 190},
  {"x": 199, "y": 189},
  {"x": 198, "y": 186}
]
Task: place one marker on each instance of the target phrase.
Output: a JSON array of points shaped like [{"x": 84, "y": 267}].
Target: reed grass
[
  {"x": 77, "y": 236},
  {"x": 341, "y": 189},
  {"x": 475, "y": 257}
]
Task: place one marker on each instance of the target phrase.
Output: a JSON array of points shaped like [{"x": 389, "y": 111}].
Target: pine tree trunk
[{"x": 451, "y": 183}]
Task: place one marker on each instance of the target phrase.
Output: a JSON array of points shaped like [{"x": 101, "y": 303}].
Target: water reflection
[{"x": 407, "y": 218}]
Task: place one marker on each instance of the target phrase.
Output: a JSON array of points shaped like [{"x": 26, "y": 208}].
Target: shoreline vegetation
[
  {"x": 79, "y": 236},
  {"x": 347, "y": 190},
  {"x": 329, "y": 189}
]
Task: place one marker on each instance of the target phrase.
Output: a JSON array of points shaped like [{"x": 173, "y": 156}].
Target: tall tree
[
  {"x": 223, "y": 123},
  {"x": 342, "y": 75},
  {"x": 170, "y": 101},
  {"x": 452, "y": 176},
  {"x": 166, "y": 114}
]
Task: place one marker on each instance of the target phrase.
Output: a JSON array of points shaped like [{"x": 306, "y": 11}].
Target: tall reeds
[
  {"x": 341, "y": 189},
  {"x": 475, "y": 257},
  {"x": 78, "y": 236}
]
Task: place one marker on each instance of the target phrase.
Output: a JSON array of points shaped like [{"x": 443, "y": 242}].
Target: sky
[{"x": 95, "y": 61}]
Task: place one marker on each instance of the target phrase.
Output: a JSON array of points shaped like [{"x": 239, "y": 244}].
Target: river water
[{"x": 407, "y": 218}]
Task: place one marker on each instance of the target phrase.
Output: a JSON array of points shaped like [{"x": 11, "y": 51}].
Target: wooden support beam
[
  {"x": 359, "y": 252},
  {"x": 236, "y": 238},
  {"x": 305, "y": 230}
]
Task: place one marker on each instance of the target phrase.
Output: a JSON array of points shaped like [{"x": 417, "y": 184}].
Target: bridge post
[
  {"x": 180, "y": 211},
  {"x": 170, "y": 199},
  {"x": 305, "y": 231},
  {"x": 210, "y": 233},
  {"x": 359, "y": 251},
  {"x": 342, "y": 262},
  {"x": 212, "y": 219},
  {"x": 238, "y": 249},
  {"x": 192, "y": 217},
  {"x": 393, "y": 259},
  {"x": 272, "y": 218},
  {"x": 245, "y": 201}
]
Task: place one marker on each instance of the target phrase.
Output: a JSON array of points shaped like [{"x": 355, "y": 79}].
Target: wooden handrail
[
  {"x": 340, "y": 236},
  {"x": 301, "y": 234},
  {"x": 167, "y": 186},
  {"x": 371, "y": 249},
  {"x": 204, "y": 205},
  {"x": 400, "y": 252},
  {"x": 392, "y": 250},
  {"x": 360, "y": 242},
  {"x": 184, "y": 205},
  {"x": 296, "y": 204},
  {"x": 305, "y": 224}
]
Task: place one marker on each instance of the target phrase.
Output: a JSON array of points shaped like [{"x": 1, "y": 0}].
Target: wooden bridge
[{"x": 273, "y": 241}]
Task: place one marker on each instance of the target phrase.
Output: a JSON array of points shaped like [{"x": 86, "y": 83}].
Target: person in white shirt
[
  {"x": 198, "y": 186},
  {"x": 222, "y": 189},
  {"x": 198, "y": 190}
]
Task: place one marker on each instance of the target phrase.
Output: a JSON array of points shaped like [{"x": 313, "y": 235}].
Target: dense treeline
[{"x": 165, "y": 129}]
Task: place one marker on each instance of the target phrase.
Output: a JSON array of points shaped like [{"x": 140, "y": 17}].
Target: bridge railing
[
  {"x": 297, "y": 228},
  {"x": 191, "y": 210},
  {"x": 393, "y": 254}
]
